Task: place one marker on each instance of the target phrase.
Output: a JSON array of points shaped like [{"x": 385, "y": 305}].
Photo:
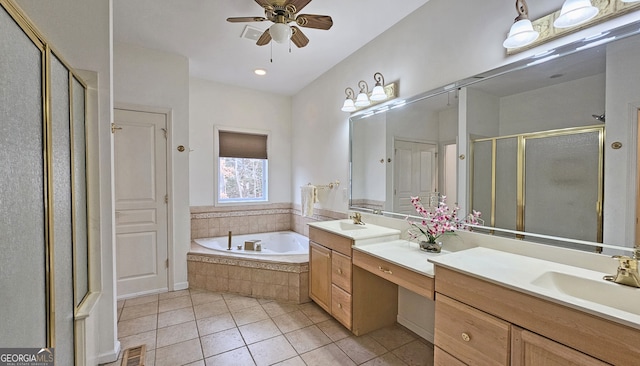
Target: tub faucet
[
  {"x": 627, "y": 270},
  {"x": 357, "y": 218},
  {"x": 229, "y": 246}
]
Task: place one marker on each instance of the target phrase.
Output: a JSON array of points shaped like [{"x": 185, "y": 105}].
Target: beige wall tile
[
  {"x": 240, "y": 287},
  {"x": 240, "y": 273}
]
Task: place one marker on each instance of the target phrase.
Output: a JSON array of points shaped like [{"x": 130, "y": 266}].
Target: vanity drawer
[
  {"x": 413, "y": 281},
  {"x": 473, "y": 336},
  {"x": 331, "y": 241},
  {"x": 442, "y": 358},
  {"x": 341, "y": 305},
  {"x": 341, "y": 271}
]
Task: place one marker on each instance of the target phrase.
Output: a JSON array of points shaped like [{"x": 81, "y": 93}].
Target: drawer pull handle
[
  {"x": 340, "y": 305},
  {"x": 339, "y": 270},
  {"x": 387, "y": 271},
  {"x": 465, "y": 337}
]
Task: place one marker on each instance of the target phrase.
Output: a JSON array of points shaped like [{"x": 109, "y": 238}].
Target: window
[{"x": 242, "y": 167}]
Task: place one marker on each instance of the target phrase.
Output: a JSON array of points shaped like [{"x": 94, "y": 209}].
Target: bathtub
[{"x": 273, "y": 243}]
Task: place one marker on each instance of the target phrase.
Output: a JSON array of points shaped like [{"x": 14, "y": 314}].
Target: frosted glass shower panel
[
  {"x": 62, "y": 229},
  {"x": 506, "y": 183},
  {"x": 482, "y": 178},
  {"x": 562, "y": 185},
  {"x": 22, "y": 218},
  {"x": 81, "y": 251}
]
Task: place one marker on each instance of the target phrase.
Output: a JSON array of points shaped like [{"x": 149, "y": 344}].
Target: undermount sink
[{"x": 601, "y": 292}]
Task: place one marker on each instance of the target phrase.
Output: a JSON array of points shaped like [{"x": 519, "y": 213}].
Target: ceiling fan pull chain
[{"x": 271, "y": 45}]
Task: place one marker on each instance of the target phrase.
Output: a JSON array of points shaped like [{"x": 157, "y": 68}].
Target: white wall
[
  {"x": 568, "y": 104},
  {"x": 214, "y": 104},
  {"x": 623, "y": 102},
  {"x": 81, "y": 32},
  {"x": 150, "y": 78}
]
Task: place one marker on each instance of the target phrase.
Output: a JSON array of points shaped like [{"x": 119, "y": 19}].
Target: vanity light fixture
[
  {"x": 378, "y": 94},
  {"x": 521, "y": 33},
  {"x": 363, "y": 98},
  {"x": 348, "y": 105},
  {"x": 575, "y": 12}
]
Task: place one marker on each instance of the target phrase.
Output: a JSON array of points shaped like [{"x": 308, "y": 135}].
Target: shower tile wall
[{"x": 210, "y": 221}]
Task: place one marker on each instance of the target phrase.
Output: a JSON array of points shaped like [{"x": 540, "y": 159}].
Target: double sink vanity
[{"x": 494, "y": 304}]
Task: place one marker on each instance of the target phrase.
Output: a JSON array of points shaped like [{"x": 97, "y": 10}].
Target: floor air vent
[{"x": 134, "y": 356}]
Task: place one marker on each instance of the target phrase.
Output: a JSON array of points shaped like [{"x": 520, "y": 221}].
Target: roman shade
[{"x": 242, "y": 145}]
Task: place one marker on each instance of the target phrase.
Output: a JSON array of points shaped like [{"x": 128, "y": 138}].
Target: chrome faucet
[
  {"x": 627, "y": 270},
  {"x": 357, "y": 218}
]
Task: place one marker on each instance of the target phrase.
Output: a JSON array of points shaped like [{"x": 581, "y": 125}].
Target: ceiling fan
[{"x": 281, "y": 13}]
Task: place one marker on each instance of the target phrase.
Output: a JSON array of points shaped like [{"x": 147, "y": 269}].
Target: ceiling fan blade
[
  {"x": 314, "y": 21},
  {"x": 265, "y": 38},
  {"x": 297, "y": 4},
  {"x": 298, "y": 38},
  {"x": 265, "y": 4},
  {"x": 246, "y": 19}
]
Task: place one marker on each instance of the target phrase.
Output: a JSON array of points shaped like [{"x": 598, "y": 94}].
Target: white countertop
[
  {"x": 403, "y": 253},
  {"x": 355, "y": 232},
  {"x": 536, "y": 277}
]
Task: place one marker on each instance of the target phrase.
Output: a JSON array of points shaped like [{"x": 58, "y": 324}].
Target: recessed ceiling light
[{"x": 260, "y": 72}]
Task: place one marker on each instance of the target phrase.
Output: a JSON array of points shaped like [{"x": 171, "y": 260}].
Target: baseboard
[
  {"x": 415, "y": 328},
  {"x": 110, "y": 356},
  {"x": 180, "y": 286}
]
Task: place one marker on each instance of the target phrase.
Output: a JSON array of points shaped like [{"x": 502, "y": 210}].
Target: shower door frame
[{"x": 520, "y": 171}]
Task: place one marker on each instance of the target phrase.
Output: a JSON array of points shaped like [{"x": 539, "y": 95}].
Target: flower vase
[{"x": 431, "y": 247}]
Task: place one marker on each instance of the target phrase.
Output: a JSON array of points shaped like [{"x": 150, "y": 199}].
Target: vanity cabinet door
[
  {"x": 529, "y": 349},
  {"x": 320, "y": 275}
]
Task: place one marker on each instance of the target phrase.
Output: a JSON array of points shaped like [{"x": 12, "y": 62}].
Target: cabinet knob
[
  {"x": 465, "y": 337},
  {"x": 340, "y": 305},
  {"x": 385, "y": 270},
  {"x": 339, "y": 270}
]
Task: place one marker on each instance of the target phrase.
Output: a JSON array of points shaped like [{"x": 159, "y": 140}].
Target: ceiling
[{"x": 198, "y": 30}]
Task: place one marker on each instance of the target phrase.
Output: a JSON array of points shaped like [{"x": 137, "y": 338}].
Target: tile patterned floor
[{"x": 195, "y": 327}]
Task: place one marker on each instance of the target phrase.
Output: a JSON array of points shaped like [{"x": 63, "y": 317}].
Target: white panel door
[
  {"x": 140, "y": 149},
  {"x": 415, "y": 174}
]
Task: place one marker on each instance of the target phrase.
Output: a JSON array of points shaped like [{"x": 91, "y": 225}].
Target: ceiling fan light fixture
[
  {"x": 575, "y": 12},
  {"x": 281, "y": 33}
]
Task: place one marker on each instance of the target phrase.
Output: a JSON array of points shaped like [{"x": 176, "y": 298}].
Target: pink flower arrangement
[{"x": 439, "y": 221}]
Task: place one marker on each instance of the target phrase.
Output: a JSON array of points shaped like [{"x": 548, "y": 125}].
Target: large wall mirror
[{"x": 545, "y": 146}]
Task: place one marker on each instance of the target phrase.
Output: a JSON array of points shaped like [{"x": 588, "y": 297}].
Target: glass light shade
[
  {"x": 378, "y": 93},
  {"x": 280, "y": 32},
  {"x": 575, "y": 12},
  {"x": 521, "y": 34},
  {"x": 362, "y": 100},
  {"x": 348, "y": 106}
]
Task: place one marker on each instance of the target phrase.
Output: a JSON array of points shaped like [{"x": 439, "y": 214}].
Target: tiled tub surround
[
  {"x": 282, "y": 278},
  {"x": 210, "y": 222}
]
